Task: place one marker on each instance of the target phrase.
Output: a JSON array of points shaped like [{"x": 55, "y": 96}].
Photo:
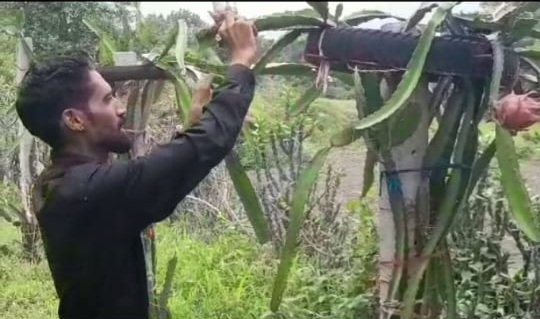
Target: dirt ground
[{"x": 351, "y": 160}]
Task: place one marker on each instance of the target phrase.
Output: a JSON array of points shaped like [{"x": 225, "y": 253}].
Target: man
[{"x": 91, "y": 211}]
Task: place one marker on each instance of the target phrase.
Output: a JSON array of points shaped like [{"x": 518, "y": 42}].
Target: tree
[{"x": 68, "y": 32}]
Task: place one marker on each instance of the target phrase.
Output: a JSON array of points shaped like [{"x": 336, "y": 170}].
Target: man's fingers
[
  {"x": 254, "y": 27},
  {"x": 215, "y": 16},
  {"x": 222, "y": 29},
  {"x": 227, "y": 23},
  {"x": 222, "y": 19},
  {"x": 229, "y": 18}
]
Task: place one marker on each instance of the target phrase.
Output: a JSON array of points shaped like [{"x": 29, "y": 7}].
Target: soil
[{"x": 350, "y": 160}]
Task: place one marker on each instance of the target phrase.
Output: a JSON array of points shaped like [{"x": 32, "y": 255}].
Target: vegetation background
[{"x": 221, "y": 270}]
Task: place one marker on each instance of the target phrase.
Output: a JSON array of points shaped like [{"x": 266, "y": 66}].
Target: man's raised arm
[{"x": 149, "y": 188}]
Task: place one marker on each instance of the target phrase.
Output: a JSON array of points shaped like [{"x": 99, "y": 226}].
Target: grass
[
  {"x": 527, "y": 142},
  {"x": 228, "y": 277},
  {"x": 225, "y": 275},
  {"x": 27, "y": 290},
  {"x": 334, "y": 115}
]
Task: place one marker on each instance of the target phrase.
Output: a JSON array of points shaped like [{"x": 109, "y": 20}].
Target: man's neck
[{"x": 79, "y": 153}]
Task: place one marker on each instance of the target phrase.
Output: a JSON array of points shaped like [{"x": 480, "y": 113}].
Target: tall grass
[{"x": 226, "y": 275}]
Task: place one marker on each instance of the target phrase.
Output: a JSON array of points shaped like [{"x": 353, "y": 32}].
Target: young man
[{"x": 91, "y": 211}]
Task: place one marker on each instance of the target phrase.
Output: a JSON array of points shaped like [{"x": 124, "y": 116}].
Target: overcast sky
[{"x": 255, "y": 9}]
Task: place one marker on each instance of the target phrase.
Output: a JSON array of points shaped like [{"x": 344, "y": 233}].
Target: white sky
[{"x": 250, "y": 9}]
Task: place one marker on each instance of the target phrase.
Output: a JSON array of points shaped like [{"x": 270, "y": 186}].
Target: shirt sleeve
[{"x": 149, "y": 188}]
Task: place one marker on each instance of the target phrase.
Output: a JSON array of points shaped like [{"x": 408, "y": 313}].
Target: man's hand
[
  {"x": 202, "y": 95},
  {"x": 239, "y": 35}
]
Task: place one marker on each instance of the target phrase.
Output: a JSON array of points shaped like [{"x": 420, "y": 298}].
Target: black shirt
[{"x": 91, "y": 214}]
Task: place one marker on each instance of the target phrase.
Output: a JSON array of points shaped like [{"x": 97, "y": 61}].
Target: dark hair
[{"x": 50, "y": 87}]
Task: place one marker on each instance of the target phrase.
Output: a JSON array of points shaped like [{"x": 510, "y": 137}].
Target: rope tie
[{"x": 324, "y": 67}]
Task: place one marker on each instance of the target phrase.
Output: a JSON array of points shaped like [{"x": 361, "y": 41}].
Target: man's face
[{"x": 105, "y": 117}]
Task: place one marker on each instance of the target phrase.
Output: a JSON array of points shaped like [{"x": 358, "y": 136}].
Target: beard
[{"x": 118, "y": 143}]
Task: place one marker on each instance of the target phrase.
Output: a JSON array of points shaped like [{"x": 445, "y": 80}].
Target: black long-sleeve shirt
[{"x": 91, "y": 214}]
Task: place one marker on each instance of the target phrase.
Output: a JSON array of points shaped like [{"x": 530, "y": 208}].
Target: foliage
[
  {"x": 449, "y": 195},
  {"x": 7, "y": 99},
  {"x": 68, "y": 32},
  {"x": 213, "y": 280},
  {"x": 496, "y": 266},
  {"x": 157, "y": 23},
  {"x": 388, "y": 117}
]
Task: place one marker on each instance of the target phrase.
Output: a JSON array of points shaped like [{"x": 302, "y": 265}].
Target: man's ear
[{"x": 73, "y": 120}]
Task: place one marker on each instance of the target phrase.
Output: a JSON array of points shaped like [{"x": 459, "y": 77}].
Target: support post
[
  {"x": 129, "y": 59},
  {"x": 29, "y": 225}
]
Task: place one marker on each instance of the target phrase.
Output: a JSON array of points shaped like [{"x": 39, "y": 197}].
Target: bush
[{"x": 222, "y": 276}]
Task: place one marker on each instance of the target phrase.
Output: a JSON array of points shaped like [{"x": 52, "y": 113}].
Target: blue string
[{"x": 394, "y": 183}]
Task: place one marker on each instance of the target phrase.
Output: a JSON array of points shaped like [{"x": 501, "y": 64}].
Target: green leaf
[
  {"x": 321, "y": 7},
  {"x": 445, "y": 135},
  {"x": 181, "y": 45},
  {"x": 248, "y": 197},
  {"x": 297, "y": 213},
  {"x": 514, "y": 186},
  {"x": 204, "y": 66},
  {"x": 413, "y": 73},
  {"x": 480, "y": 167},
  {"x": 276, "y": 48},
  {"x": 210, "y": 55},
  {"x": 305, "y": 100},
  {"x": 367, "y": 86},
  {"x": 171, "y": 40},
  {"x": 181, "y": 90},
  {"x": 534, "y": 33},
  {"x": 369, "y": 171},
  {"x": 398, "y": 128},
  {"x": 523, "y": 28},
  {"x": 372, "y": 92},
  {"x": 366, "y": 15},
  {"x": 183, "y": 99},
  {"x": 532, "y": 52},
  {"x": 282, "y": 21},
  {"x": 274, "y": 22},
  {"x": 167, "y": 285},
  {"x": 106, "y": 41},
  {"x": 532, "y": 65},
  {"x": 345, "y": 137},
  {"x": 497, "y": 69},
  {"x": 514, "y": 11},
  {"x": 339, "y": 12},
  {"x": 447, "y": 282},
  {"x": 419, "y": 14}
]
